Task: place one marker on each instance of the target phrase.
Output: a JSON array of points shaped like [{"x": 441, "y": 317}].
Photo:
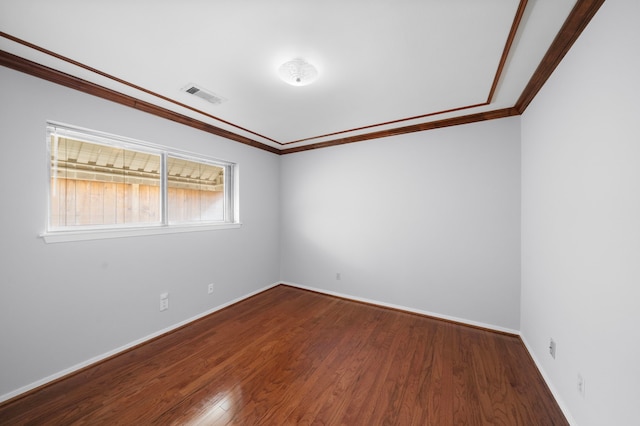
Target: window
[{"x": 104, "y": 185}]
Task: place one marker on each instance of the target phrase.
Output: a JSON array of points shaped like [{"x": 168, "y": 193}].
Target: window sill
[{"x": 68, "y": 236}]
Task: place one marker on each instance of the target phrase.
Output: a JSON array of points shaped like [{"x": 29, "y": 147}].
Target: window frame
[{"x": 92, "y": 232}]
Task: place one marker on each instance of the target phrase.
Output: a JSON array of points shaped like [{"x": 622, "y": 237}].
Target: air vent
[{"x": 205, "y": 94}]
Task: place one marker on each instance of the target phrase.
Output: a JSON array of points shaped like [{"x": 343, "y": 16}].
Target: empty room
[{"x": 343, "y": 213}]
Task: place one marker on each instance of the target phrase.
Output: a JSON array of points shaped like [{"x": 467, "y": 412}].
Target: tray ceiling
[{"x": 383, "y": 65}]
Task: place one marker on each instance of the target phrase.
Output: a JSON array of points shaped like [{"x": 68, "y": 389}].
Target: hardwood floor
[{"x": 293, "y": 357}]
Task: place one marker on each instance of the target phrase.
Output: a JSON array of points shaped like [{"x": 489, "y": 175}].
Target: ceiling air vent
[{"x": 205, "y": 94}]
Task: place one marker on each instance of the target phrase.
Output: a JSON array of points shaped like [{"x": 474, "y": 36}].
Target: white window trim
[
  {"x": 123, "y": 231},
  {"x": 101, "y": 234}
]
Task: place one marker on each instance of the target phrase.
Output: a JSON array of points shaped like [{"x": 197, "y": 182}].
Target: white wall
[
  {"x": 581, "y": 221},
  {"x": 426, "y": 221},
  {"x": 63, "y": 304}
]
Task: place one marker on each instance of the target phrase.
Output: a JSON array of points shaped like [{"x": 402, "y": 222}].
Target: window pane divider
[{"x": 164, "y": 190}]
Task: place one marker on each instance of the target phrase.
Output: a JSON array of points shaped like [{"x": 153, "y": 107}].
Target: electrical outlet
[
  {"x": 552, "y": 348},
  {"x": 210, "y": 288},
  {"x": 338, "y": 276},
  {"x": 164, "y": 301},
  {"x": 581, "y": 385}
]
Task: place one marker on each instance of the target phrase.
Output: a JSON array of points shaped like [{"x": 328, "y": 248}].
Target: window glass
[
  {"x": 195, "y": 191},
  {"x": 94, "y": 184}
]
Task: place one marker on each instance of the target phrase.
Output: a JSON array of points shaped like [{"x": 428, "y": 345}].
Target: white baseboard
[
  {"x": 552, "y": 388},
  {"x": 407, "y": 309},
  {"x": 130, "y": 345}
]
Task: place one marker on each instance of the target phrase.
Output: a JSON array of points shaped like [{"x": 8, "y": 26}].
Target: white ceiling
[{"x": 400, "y": 62}]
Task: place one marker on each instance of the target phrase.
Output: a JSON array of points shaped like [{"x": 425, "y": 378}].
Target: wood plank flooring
[{"x": 293, "y": 357}]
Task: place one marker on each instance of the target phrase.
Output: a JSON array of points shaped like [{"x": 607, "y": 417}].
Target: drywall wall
[
  {"x": 581, "y": 221},
  {"x": 65, "y": 303},
  {"x": 425, "y": 221}
]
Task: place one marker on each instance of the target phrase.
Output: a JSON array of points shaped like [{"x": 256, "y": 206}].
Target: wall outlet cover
[
  {"x": 164, "y": 301},
  {"x": 581, "y": 385}
]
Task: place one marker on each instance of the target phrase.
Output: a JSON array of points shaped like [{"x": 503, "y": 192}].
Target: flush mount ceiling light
[{"x": 298, "y": 72}]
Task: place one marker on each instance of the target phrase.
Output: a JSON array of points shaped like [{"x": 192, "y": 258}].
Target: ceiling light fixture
[{"x": 298, "y": 72}]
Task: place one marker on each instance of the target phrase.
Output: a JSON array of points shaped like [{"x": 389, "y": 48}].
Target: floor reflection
[{"x": 220, "y": 409}]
